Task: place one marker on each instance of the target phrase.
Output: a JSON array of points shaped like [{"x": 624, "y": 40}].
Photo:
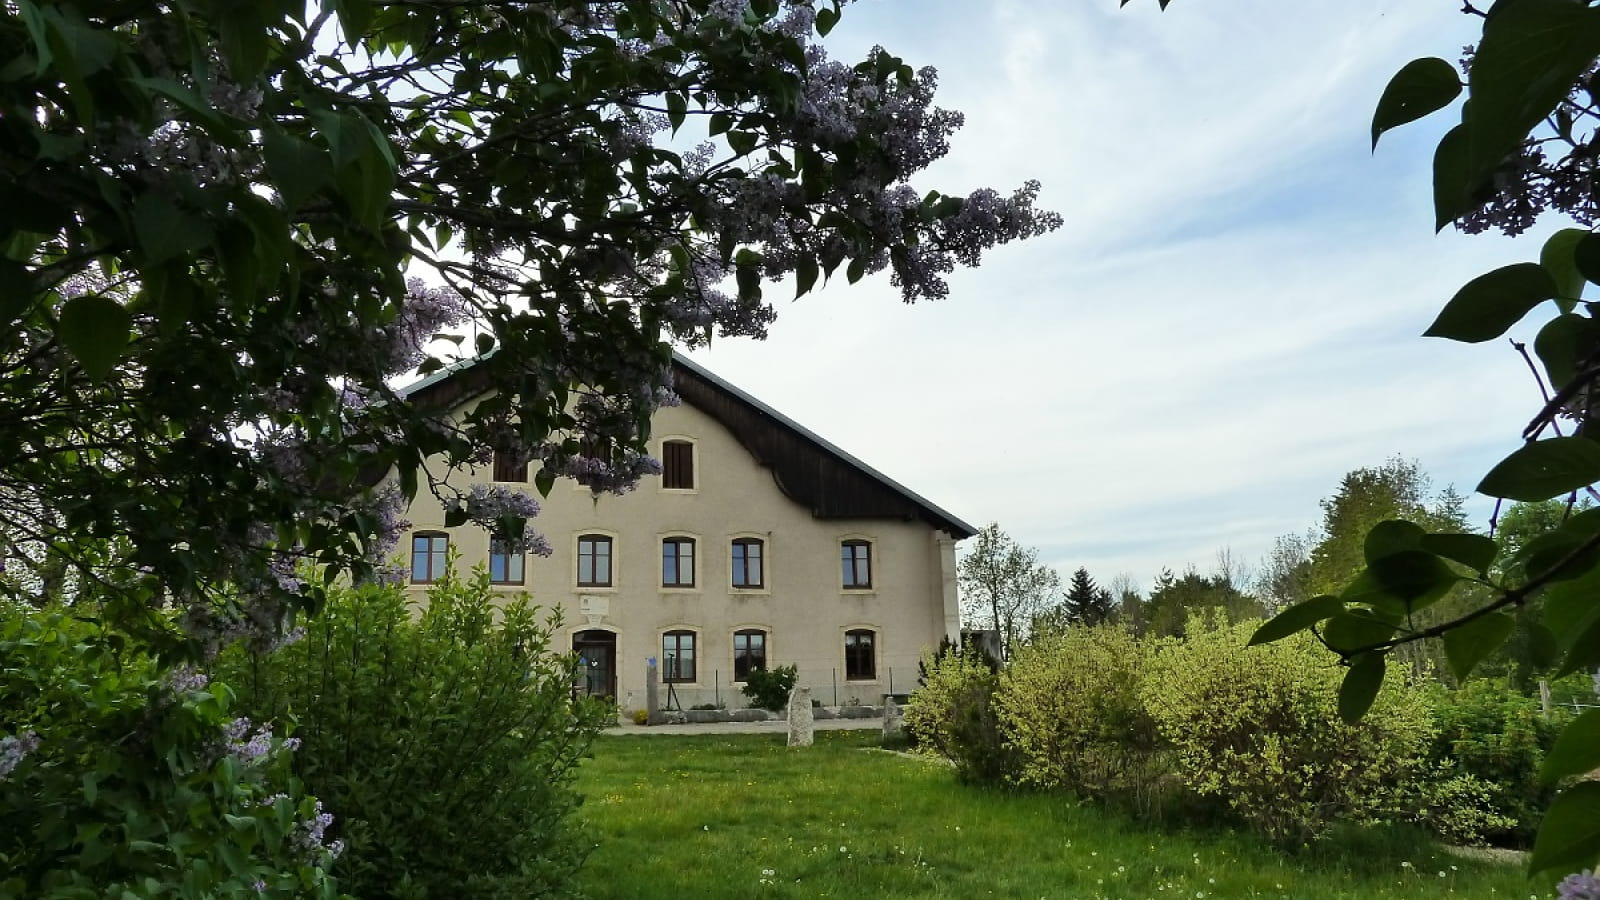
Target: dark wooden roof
[{"x": 809, "y": 470}]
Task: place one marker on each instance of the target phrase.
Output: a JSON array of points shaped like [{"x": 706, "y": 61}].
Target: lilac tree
[{"x": 226, "y": 228}]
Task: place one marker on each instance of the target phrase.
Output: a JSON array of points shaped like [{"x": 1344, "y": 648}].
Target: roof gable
[{"x": 809, "y": 470}]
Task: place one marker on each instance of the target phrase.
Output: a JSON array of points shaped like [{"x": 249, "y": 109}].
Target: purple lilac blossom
[
  {"x": 185, "y": 680},
  {"x": 1581, "y": 886},
  {"x": 14, "y": 748}
]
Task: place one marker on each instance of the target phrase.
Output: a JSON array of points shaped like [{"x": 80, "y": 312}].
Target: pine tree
[{"x": 1087, "y": 603}]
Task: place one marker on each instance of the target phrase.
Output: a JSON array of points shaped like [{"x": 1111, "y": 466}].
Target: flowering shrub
[
  {"x": 769, "y": 689},
  {"x": 446, "y": 743},
  {"x": 953, "y": 714},
  {"x": 1070, "y": 704},
  {"x": 1259, "y": 728},
  {"x": 116, "y": 781}
]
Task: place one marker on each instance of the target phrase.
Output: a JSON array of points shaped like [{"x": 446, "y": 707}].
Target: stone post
[
  {"x": 894, "y": 719},
  {"x": 652, "y": 694},
  {"x": 800, "y": 718}
]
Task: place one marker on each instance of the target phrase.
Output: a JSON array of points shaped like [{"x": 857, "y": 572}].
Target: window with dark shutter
[
  {"x": 510, "y": 465},
  {"x": 677, "y": 465}
]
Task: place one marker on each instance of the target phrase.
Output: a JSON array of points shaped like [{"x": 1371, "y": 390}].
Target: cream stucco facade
[{"x": 802, "y": 610}]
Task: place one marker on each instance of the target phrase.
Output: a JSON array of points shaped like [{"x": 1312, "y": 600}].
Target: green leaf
[
  {"x": 1297, "y": 618},
  {"x": 677, "y": 110},
  {"x": 165, "y": 231},
  {"x": 1561, "y": 343},
  {"x": 1577, "y": 749},
  {"x": 749, "y": 280},
  {"x": 1355, "y": 629},
  {"x": 857, "y": 268},
  {"x": 1544, "y": 469},
  {"x": 1416, "y": 578},
  {"x": 1543, "y": 651},
  {"x": 455, "y": 517},
  {"x": 1559, "y": 258},
  {"x": 826, "y": 19},
  {"x": 1421, "y": 87},
  {"x": 1475, "y": 551},
  {"x": 720, "y": 122},
  {"x": 806, "y": 271},
  {"x": 298, "y": 167},
  {"x": 1571, "y": 607},
  {"x": 1453, "y": 188},
  {"x": 1586, "y": 257},
  {"x": 1466, "y": 645},
  {"x": 1531, "y": 53},
  {"x": 1390, "y": 537},
  {"x": 1583, "y": 651},
  {"x": 95, "y": 330},
  {"x": 1360, "y": 687},
  {"x": 1492, "y": 303},
  {"x": 17, "y": 293},
  {"x": 1569, "y": 836}
]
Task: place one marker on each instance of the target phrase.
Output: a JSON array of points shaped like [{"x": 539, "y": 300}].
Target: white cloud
[{"x": 1228, "y": 322}]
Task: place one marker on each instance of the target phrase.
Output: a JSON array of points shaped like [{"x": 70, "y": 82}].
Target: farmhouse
[{"x": 759, "y": 545}]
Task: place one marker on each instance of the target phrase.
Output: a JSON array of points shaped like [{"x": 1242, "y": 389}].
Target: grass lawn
[{"x": 744, "y": 816}]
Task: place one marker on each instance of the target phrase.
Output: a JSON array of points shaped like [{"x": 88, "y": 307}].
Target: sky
[{"x": 1228, "y": 321}]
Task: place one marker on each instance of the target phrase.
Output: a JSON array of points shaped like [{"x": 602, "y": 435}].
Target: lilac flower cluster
[
  {"x": 425, "y": 311},
  {"x": 247, "y": 747},
  {"x": 1581, "y": 886},
  {"x": 310, "y": 836},
  {"x": 14, "y": 748},
  {"x": 1529, "y": 182},
  {"x": 185, "y": 680}
]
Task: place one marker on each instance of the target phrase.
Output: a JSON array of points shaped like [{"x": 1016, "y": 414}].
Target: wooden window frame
[
  {"x": 872, "y": 654},
  {"x": 748, "y": 633},
  {"x": 678, "y": 541},
  {"x": 611, "y": 561},
  {"x": 856, "y": 560},
  {"x": 430, "y": 537},
  {"x": 682, "y": 468},
  {"x": 761, "y": 563},
  {"x": 520, "y": 557},
  {"x": 675, "y": 674}
]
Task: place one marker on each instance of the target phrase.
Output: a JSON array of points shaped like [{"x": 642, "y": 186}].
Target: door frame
[{"x": 598, "y": 637}]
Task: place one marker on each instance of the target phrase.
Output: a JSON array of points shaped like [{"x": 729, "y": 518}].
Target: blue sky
[{"x": 1227, "y": 323}]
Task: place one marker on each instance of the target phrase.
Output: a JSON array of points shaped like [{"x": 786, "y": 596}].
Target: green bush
[
  {"x": 447, "y": 743},
  {"x": 953, "y": 714},
  {"x": 1462, "y": 808},
  {"x": 769, "y": 689},
  {"x": 1258, "y": 728},
  {"x": 119, "y": 779},
  {"x": 1070, "y": 706},
  {"x": 1496, "y": 736}
]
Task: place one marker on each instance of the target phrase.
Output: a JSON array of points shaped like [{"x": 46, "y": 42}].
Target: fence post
[
  {"x": 835, "y": 685},
  {"x": 716, "y": 684}
]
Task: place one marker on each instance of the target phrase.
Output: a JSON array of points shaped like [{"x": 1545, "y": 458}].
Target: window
[
  {"x": 677, "y": 656},
  {"x": 856, "y": 559},
  {"x": 745, "y": 561},
  {"x": 860, "y": 663},
  {"x": 749, "y": 652},
  {"x": 510, "y": 465},
  {"x": 505, "y": 561},
  {"x": 677, "y": 465},
  {"x": 428, "y": 551},
  {"x": 677, "y": 562},
  {"x": 594, "y": 560}
]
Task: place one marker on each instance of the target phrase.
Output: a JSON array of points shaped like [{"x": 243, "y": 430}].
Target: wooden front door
[{"x": 597, "y": 650}]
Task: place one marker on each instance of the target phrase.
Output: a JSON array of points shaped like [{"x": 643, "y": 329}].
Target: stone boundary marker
[{"x": 801, "y": 731}]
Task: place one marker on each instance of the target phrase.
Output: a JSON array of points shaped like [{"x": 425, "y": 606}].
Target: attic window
[{"x": 677, "y": 465}]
